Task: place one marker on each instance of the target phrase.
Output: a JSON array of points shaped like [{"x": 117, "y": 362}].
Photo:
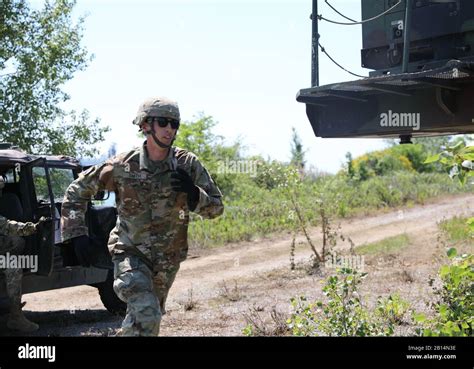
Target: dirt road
[{"x": 215, "y": 288}]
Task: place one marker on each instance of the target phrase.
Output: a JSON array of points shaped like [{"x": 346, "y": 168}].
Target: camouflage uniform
[
  {"x": 149, "y": 240},
  {"x": 12, "y": 243},
  {"x": 13, "y": 228}
]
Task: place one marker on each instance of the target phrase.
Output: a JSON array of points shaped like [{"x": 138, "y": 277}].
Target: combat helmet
[{"x": 161, "y": 107}]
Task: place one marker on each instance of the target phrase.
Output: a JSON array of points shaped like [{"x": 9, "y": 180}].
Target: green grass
[
  {"x": 385, "y": 246},
  {"x": 456, "y": 229}
]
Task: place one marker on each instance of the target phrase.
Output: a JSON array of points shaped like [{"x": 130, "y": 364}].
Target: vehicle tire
[{"x": 108, "y": 296}]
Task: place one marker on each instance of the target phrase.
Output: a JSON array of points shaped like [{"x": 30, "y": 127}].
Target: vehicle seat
[{"x": 10, "y": 206}]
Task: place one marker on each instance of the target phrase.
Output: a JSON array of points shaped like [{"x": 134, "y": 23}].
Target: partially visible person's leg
[{"x": 13, "y": 279}]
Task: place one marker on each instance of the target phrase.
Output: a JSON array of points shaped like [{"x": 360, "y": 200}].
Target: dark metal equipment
[
  {"x": 437, "y": 30},
  {"x": 422, "y": 53}
]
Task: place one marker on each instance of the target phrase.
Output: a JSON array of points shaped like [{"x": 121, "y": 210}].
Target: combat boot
[{"x": 18, "y": 322}]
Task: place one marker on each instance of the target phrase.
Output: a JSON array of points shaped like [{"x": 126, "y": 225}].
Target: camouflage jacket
[
  {"x": 13, "y": 228},
  {"x": 152, "y": 219}
]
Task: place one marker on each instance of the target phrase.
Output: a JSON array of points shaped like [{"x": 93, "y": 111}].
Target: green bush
[
  {"x": 274, "y": 174},
  {"x": 416, "y": 155},
  {"x": 343, "y": 313},
  {"x": 454, "y": 312},
  {"x": 393, "y": 309},
  {"x": 397, "y": 158}
]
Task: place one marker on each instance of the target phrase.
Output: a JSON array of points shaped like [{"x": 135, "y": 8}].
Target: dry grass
[
  {"x": 190, "y": 303},
  {"x": 275, "y": 326},
  {"x": 232, "y": 294}
]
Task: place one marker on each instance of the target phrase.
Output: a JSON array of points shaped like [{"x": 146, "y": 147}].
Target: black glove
[
  {"x": 81, "y": 249},
  {"x": 43, "y": 222},
  {"x": 182, "y": 182}
]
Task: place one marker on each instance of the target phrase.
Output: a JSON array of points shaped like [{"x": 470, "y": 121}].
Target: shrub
[
  {"x": 454, "y": 312},
  {"x": 393, "y": 308},
  {"x": 397, "y": 158},
  {"x": 343, "y": 313}
]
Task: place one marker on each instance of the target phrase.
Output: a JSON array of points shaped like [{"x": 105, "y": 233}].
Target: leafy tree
[
  {"x": 40, "y": 52},
  {"x": 297, "y": 152},
  {"x": 197, "y": 137}
]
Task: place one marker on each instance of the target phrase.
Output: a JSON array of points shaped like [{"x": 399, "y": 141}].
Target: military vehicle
[
  {"x": 421, "y": 54},
  {"x": 34, "y": 187}
]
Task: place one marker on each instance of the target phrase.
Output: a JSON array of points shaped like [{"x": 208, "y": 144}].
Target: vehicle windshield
[{"x": 60, "y": 180}]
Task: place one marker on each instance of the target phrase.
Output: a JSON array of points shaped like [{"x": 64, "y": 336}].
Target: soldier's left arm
[{"x": 210, "y": 197}]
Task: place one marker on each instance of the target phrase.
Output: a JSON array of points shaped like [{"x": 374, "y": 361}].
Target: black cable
[
  {"x": 342, "y": 15},
  {"x": 320, "y": 17},
  {"x": 335, "y": 62}
]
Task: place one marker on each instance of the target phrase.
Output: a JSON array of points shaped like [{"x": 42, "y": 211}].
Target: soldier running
[{"x": 156, "y": 185}]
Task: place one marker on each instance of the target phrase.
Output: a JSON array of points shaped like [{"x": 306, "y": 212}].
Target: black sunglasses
[{"x": 163, "y": 122}]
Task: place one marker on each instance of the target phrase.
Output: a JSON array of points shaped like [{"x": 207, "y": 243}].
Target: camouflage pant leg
[
  {"x": 162, "y": 282},
  {"x": 13, "y": 276},
  {"x": 133, "y": 285}
]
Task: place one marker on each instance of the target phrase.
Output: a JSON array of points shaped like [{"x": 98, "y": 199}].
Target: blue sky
[{"x": 240, "y": 61}]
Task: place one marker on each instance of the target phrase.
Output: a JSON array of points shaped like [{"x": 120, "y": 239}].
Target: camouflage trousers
[
  {"x": 145, "y": 293},
  {"x": 13, "y": 276}
]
